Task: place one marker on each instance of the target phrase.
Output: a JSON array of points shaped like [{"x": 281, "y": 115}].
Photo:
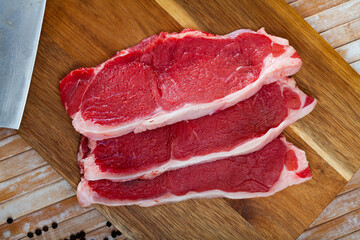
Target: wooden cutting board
[{"x": 85, "y": 33}]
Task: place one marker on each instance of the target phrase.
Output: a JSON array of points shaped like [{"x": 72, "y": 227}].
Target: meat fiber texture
[
  {"x": 259, "y": 174},
  {"x": 243, "y": 128},
  {"x": 171, "y": 77}
]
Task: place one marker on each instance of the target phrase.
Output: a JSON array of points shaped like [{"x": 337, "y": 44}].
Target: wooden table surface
[{"x": 34, "y": 195}]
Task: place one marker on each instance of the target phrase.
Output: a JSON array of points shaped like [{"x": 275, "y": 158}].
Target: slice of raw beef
[
  {"x": 259, "y": 174},
  {"x": 245, "y": 127},
  {"x": 172, "y": 77}
]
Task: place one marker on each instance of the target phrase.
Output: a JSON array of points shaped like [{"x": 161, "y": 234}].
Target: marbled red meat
[
  {"x": 258, "y": 174},
  {"x": 172, "y": 77}
]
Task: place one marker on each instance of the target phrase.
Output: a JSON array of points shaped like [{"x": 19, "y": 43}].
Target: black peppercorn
[
  {"x": 108, "y": 224},
  {"x": 72, "y": 237},
  {"x": 45, "y": 228},
  {"x": 38, "y": 232},
  {"x": 30, "y": 234},
  {"x": 54, "y": 225},
  {"x": 113, "y": 234},
  {"x": 106, "y": 238},
  {"x": 82, "y": 234},
  {"x": 118, "y": 233},
  {"x": 9, "y": 220}
]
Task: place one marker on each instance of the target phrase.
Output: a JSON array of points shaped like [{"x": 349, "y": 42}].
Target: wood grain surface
[{"x": 77, "y": 34}]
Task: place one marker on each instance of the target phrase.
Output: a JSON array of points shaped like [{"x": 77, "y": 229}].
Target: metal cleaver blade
[{"x": 20, "y": 26}]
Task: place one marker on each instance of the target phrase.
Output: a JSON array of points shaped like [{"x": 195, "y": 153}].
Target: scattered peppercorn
[
  {"x": 82, "y": 238},
  {"x": 72, "y": 237},
  {"x": 106, "y": 238},
  {"x": 78, "y": 235},
  {"x": 82, "y": 234},
  {"x": 113, "y": 234},
  {"x": 54, "y": 225},
  {"x": 9, "y": 220},
  {"x": 30, "y": 234},
  {"x": 118, "y": 233},
  {"x": 38, "y": 232},
  {"x": 45, "y": 228},
  {"x": 108, "y": 224}
]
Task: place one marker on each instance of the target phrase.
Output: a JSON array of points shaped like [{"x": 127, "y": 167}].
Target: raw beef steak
[
  {"x": 245, "y": 127},
  {"x": 172, "y": 77},
  {"x": 263, "y": 173}
]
